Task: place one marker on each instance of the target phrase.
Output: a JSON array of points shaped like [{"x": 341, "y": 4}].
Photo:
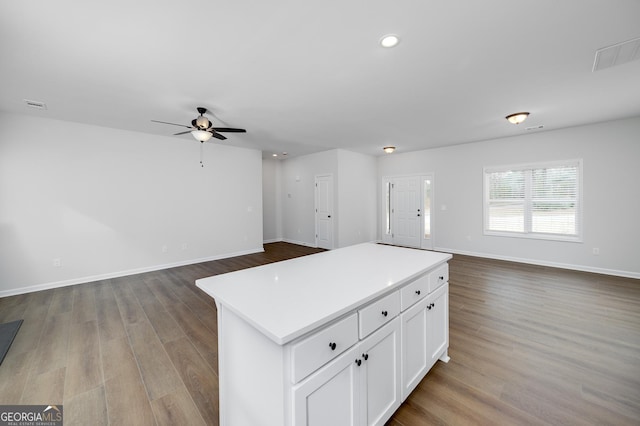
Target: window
[{"x": 534, "y": 201}]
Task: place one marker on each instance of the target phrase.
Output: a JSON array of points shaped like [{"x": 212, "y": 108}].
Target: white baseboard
[
  {"x": 273, "y": 240},
  {"x": 92, "y": 278},
  {"x": 582, "y": 268},
  {"x": 300, "y": 243}
]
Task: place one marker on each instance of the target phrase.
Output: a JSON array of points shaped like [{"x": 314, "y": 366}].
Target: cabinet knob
[
  {"x": 418, "y": 292},
  {"x": 365, "y": 356},
  {"x": 358, "y": 362},
  {"x": 441, "y": 278},
  {"x": 332, "y": 345},
  {"x": 429, "y": 307},
  {"x": 385, "y": 313}
]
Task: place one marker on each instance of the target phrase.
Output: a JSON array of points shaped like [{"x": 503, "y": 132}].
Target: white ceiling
[{"x": 305, "y": 76}]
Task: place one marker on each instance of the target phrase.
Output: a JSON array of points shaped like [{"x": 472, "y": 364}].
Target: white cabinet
[
  {"x": 337, "y": 338},
  {"x": 425, "y": 337},
  {"x": 361, "y": 387}
]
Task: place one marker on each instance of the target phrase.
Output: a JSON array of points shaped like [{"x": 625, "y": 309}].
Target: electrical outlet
[
  {"x": 164, "y": 248},
  {"x": 57, "y": 262},
  {"x": 596, "y": 251}
]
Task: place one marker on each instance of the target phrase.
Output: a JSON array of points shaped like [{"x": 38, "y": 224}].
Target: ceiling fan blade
[
  {"x": 218, "y": 136},
  {"x": 173, "y": 124},
  {"x": 182, "y": 133},
  {"x": 229, "y": 129}
]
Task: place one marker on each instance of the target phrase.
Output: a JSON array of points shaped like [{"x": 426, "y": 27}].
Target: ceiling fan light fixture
[
  {"x": 201, "y": 135},
  {"x": 202, "y": 122},
  {"x": 389, "y": 149},
  {"x": 389, "y": 40},
  {"x": 517, "y": 117}
]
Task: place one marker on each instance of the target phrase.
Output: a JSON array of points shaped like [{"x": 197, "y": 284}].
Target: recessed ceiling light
[{"x": 390, "y": 40}]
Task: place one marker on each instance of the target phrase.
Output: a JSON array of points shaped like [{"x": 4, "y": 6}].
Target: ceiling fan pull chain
[{"x": 201, "y": 147}]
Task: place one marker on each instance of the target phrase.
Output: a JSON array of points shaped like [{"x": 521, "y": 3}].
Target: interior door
[
  {"x": 407, "y": 211},
  {"x": 324, "y": 211}
]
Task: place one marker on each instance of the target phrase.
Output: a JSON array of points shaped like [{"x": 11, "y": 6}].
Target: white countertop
[{"x": 285, "y": 300}]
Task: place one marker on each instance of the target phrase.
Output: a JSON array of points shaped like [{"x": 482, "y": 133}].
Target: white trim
[
  {"x": 272, "y": 240},
  {"x": 93, "y": 278},
  {"x": 300, "y": 243},
  {"x": 582, "y": 268}
]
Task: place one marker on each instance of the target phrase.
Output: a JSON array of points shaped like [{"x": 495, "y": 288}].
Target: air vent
[
  {"x": 541, "y": 126},
  {"x": 35, "y": 104},
  {"x": 617, "y": 54}
]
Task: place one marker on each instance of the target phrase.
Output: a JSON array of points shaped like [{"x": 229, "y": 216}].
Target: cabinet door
[
  {"x": 331, "y": 396},
  {"x": 415, "y": 353},
  {"x": 438, "y": 323},
  {"x": 381, "y": 394}
]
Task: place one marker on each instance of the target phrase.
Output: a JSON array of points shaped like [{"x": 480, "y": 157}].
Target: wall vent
[
  {"x": 617, "y": 54},
  {"x": 35, "y": 104},
  {"x": 541, "y": 126}
]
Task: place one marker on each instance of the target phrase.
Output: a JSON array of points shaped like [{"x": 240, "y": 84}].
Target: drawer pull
[
  {"x": 418, "y": 292},
  {"x": 332, "y": 345},
  {"x": 365, "y": 356},
  {"x": 385, "y": 313},
  {"x": 358, "y": 362}
]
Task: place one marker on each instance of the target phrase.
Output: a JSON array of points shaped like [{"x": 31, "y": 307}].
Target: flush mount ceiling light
[
  {"x": 389, "y": 149},
  {"x": 517, "y": 118},
  {"x": 390, "y": 40}
]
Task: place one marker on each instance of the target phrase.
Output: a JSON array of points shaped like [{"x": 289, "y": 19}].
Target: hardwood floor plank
[
  {"x": 14, "y": 372},
  {"x": 87, "y": 408},
  {"x": 163, "y": 324},
  {"x": 158, "y": 373},
  {"x": 45, "y": 389},
  {"x": 125, "y": 394},
  {"x": 204, "y": 340},
  {"x": 84, "y": 370},
  {"x": 198, "y": 377},
  {"x": 51, "y": 353},
  {"x": 177, "y": 408},
  {"x": 130, "y": 310},
  {"x": 110, "y": 325}
]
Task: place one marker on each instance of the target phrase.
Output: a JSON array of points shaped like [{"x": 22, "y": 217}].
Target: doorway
[{"x": 408, "y": 215}]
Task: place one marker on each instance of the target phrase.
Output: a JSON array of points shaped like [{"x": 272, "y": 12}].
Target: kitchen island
[{"x": 339, "y": 337}]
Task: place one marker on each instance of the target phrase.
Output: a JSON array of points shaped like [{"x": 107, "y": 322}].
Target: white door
[
  {"x": 324, "y": 211},
  {"x": 408, "y": 216},
  {"x": 406, "y": 211}
]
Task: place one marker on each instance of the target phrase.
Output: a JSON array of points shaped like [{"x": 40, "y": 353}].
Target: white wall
[
  {"x": 106, "y": 201},
  {"x": 610, "y": 153},
  {"x": 357, "y": 199}
]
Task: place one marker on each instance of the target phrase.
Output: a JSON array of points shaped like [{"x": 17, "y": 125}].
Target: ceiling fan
[{"x": 202, "y": 128}]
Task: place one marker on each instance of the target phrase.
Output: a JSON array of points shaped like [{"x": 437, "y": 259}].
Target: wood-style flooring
[{"x": 529, "y": 345}]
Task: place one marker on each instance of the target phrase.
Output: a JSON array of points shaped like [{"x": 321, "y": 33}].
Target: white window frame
[{"x": 528, "y": 202}]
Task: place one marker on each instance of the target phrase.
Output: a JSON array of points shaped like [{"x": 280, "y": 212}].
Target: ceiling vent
[
  {"x": 538, "y": 127},
  {"x": 617, "y": 54},
  {"x": 35, "y": 104}
]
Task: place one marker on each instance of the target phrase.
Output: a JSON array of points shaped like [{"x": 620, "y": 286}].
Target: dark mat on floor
[{"x": 7, "y": 333}]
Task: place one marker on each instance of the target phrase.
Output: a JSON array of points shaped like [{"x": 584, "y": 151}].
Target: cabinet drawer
[
  {"x": 414, "y": 291},
  {"x": 316, "y": 350},
  {"x": 378, "y": 313},
  {"x": 438, "y": 277}
]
